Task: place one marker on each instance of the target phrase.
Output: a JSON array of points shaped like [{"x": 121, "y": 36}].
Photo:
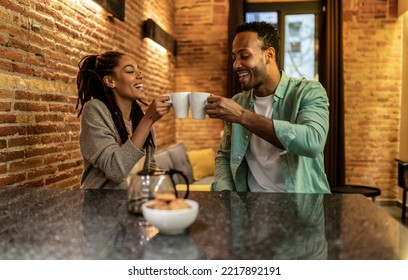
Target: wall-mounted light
[
  {"x": 153, "y": 31},
  {"x": 116, "y": 8}
]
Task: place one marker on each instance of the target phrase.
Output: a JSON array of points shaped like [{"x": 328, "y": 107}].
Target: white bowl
[{"x": 171, "y": 222}]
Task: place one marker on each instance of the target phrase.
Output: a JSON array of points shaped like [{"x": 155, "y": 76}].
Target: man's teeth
[
  {"x": 139, "y": 86},
  {"x": 242, "y": 74}
]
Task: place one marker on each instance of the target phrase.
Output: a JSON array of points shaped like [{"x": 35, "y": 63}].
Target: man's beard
[{"x": 246, "y": 87}]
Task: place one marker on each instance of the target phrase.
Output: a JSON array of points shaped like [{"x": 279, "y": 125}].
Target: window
[{"x": 298, "y": 27}]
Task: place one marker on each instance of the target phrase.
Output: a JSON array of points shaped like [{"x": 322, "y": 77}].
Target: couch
[{"x": 197, "y": 165}]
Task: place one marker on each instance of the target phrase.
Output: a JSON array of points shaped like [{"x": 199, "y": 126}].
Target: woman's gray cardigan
[{"x": 107, "y": 162}]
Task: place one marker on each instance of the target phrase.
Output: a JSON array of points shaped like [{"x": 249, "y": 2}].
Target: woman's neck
[{"x": 125, "y": 108}]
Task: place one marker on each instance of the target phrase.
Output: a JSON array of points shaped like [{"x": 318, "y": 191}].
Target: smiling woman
[{"x": 117, "y": 137}]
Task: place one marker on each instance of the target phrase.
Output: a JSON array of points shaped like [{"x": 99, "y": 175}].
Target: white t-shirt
[{"x": 263, "y": 158}]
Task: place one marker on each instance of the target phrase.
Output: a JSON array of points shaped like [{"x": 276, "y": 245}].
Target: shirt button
[
  {"x": 246, "y": 136},
  {"x": 239, "y": 157}
]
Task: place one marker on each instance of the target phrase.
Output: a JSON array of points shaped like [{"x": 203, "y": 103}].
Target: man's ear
[
  {"x": 270, "y": 54},
  {"x": 109, "y": 82}
]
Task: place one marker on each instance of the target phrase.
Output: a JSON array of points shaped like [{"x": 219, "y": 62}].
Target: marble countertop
[{"x": 50, "y": 223}]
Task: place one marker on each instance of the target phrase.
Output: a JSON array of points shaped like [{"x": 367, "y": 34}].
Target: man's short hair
[{"x": 267, "y": 33}]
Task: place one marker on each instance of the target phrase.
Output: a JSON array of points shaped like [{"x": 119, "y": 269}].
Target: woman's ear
[{"x": 109, "y": 82}]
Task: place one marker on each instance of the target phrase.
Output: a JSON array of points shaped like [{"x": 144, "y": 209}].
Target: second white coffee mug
[{"x": 198, "y": 100}]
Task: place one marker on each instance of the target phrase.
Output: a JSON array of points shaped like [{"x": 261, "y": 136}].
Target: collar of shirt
[{"x": 279, "y": 91}]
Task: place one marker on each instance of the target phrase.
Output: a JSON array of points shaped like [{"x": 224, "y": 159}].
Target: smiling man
[{"x": 276, "y": 129}]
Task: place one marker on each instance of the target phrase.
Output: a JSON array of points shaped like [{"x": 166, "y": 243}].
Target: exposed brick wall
[
  {"x": 372, "y": 73},
  {"x": 41, "y": 43}
]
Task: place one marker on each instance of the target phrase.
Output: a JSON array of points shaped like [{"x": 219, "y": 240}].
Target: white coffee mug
[
  {"x": 180, "y": 103},
  {"x": 198, "y": 100}
]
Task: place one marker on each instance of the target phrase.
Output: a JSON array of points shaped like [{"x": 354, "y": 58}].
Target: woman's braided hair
[{"x": 92, "y": 69}]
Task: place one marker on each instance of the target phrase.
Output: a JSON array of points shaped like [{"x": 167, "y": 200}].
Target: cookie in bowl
[{"x": 169, "y": 214}]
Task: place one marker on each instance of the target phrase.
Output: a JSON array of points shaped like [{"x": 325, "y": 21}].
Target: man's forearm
[{"x": 261, "y": 126}]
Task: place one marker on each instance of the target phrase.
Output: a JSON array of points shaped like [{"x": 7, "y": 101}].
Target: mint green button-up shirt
[{"x": 301, "y": 121}]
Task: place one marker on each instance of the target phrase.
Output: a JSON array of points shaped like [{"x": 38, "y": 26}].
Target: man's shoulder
[
  {"x": 305, "y": 87},
  {"x": 304, "y": 83}
]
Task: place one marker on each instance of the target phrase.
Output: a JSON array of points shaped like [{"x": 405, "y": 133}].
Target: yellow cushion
[
  {"x": 194, "y": 188},
  {"x": 202, "y": 162}
]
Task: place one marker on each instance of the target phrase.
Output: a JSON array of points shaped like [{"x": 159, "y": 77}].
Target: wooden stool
[{"x": 356, "y": 189}]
